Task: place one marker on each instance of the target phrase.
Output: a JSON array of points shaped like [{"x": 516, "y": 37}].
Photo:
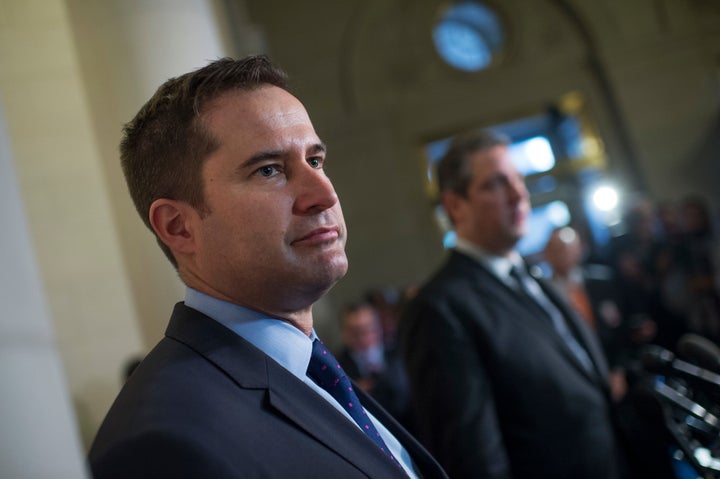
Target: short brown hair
[
  {"x": 453, "y": 170},
  {"x": 164, "y": 147}
]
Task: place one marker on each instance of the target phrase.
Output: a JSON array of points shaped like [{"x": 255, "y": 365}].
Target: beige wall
[
  {"x": 126, "y": 49},
  {"x": 66, "y": 201},
  {"x": 35, "y": 408},
  {"x": 71, "y": 73}
]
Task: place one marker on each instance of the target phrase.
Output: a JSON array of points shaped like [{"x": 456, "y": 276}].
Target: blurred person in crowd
[
  {"x": 668, "y": 269},
  {"x": 700, "y": 246},
  {"x": 591, "y": 291},
  {"x": 506, "y": 379},
  {"x": 386, "y": 303},
  {"x": 646, "y": 269},
  {"x": 366, "y": 359},
  {"x": 225, "y": 168},
  {"x": 669, "y": 221}
]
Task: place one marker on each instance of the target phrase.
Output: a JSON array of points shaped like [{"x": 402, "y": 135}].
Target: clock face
[{"x": 468, "y": 35}]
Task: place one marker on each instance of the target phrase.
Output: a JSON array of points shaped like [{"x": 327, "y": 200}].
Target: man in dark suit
[
  {"x": 224, "y": 166},
  {"x": 505, "y": 379}
]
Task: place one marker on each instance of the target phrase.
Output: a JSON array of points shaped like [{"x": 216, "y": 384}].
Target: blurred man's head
[
  {"x": 563, "y": 250},
  {"x": 483, "y": 193},
  {"x": 360, "y": 326},
  {"x": 696, "y": 216}
]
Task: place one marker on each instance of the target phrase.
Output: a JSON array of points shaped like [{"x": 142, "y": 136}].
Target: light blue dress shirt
[{"x": 289, "y": 347}]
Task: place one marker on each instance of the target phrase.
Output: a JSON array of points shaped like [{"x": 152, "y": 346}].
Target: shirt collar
[
  {"x": 280, "y": 340},
  {"x": 499, "y": 265}
]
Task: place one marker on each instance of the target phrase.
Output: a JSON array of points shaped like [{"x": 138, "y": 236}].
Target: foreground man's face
[{"x": 275, "y": 233}]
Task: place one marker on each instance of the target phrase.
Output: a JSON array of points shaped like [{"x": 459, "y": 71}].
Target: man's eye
[
  {"x": 495, "y": 183},
  {"x": 267, "y": 170},
  {"x": 315, "y": 162}
]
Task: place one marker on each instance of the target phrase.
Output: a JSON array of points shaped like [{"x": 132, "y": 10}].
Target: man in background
[
  {"x": 590, "y": 290},
  {"x": 224, "y": 166},
  {"x": 505, "y": 379},
  {"x": 375, "y": 366}
]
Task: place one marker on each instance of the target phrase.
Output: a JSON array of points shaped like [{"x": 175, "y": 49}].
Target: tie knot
[
  {"x": 517, "y": 273},
  {"x": 517, "y": 269},
  {"x": 324, "y": 368}
]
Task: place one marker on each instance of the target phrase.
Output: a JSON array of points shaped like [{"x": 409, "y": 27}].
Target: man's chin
[
  {"x": 334, "y": 266},
  {"x": 340, "y": 267},
  {"x": 514, "y": 238},
  {"x": 519, "y": 231}
]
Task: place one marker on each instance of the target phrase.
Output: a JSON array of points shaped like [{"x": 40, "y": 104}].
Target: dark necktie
[
  {"x": 532, "y": 289},
  {"x": 327, "y": 373}
]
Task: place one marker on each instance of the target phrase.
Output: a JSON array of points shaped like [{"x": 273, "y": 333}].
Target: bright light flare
[{"x": 605, "y": 198}]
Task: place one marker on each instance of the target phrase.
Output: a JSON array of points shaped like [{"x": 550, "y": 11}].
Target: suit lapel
[
  {"x": 580, "y": 329},
  {"x": 519, "y": 305},
  {"x": 425, "y": 464},
  {"x": 322, "y": 421},
  {"x": 250, "y": 368},
  {"x": 484, "y": 279}
]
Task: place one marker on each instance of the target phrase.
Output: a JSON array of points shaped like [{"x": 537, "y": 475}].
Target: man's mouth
[{"x": 318, "y": 236}]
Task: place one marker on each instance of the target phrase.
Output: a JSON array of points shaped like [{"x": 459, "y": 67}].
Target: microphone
[
  {"x": 658, "y": 360},
  {"x": 700, "y": 351},
  {"x": 675, "y": 397}
]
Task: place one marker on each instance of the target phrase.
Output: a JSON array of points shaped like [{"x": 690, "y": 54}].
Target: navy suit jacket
[
  {"x": 497, "y": 392},
  {"x": 205, "y": 403}
]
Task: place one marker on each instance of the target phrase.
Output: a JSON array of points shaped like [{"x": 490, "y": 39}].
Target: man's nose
[
  {"x": 315, "y": 192},
  {"x": 518, "y": 190}
]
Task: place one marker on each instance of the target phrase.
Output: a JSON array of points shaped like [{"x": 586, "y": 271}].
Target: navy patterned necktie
[{"x": 327, "y": 373}]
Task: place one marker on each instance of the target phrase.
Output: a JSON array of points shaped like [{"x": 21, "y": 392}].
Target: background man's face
[
  {"x": 493, "y": 215},
  {"x": 361, "y": 329}
]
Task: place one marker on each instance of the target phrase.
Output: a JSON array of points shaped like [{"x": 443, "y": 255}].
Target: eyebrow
[
  {"x": 494, "y": 178},
  {"x": 317, "y": 148},
  {"x": 262, "y": 156}
]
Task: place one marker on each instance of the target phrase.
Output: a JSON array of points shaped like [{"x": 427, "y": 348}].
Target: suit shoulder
[
  {"x": 457, "y": 299},
  {"x": 455, "y": 275},
  {"x": 166, "y": 396}
]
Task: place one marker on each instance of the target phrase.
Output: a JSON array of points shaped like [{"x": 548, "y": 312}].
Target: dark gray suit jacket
[
  {"x": 497, "y": 393},
  {"x": 205, "y": 403}
]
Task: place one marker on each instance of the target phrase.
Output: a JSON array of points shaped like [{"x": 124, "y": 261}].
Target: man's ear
[
  {"x": 173, "y": 223},
  {"x": 452, "y": 202}
]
